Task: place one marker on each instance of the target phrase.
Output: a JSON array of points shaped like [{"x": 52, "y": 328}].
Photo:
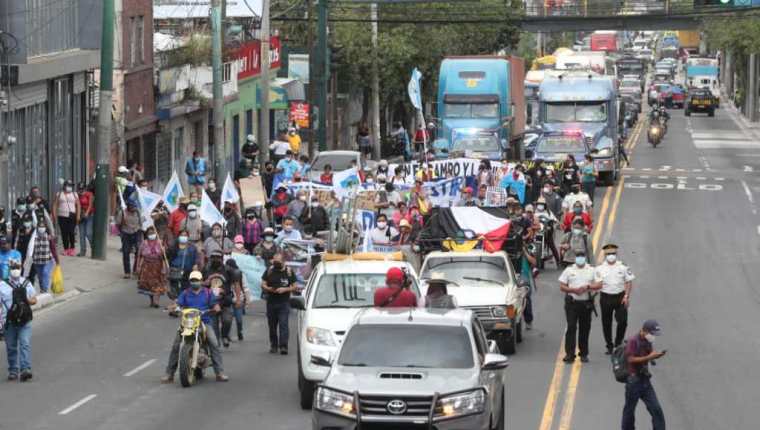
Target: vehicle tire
[
  {"x": 540, "y": 257},
  {"x": 711, "y": 113},
  {"x": 519, "y": 333},
  {"x": 501, "y": 421},
  {"x": 305, "y": 390},
  {"x": 608, "y": 179},
  {"x": 687, "y": 112},
  {"x": 507, "y": 344},
  {"x": 186, "y": 374}
]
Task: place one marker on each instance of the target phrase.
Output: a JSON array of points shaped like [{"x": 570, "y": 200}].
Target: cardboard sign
[
  {"x": 365, "y": 200},
  {"x": 252, "y": 191}
]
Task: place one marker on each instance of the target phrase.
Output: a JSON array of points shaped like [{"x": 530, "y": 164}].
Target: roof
[
  {"x": 471, "y": 253},
  {"x": 361, "y": 266},
  {"x": 575, "y": 88},
  {"x": 418, "y": 316},
  {"x": 191, "y": 9}
]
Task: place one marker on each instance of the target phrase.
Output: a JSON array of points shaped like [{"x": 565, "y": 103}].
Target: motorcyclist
[
  {"x": 201, "y": 298},
  {"x": 546, "y": 217}
]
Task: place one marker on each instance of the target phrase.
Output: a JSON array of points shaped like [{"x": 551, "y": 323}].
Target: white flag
[
  {"x": 173, "y": 192},
  {"x": 209, "y": 213},
  {"x": 346, "y": 181},
  {"x": 148, "y": 201},
  {"x": 229, "y": 192}
]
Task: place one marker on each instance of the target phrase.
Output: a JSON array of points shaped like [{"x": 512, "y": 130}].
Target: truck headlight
[
  {"x": 335, "y": 402},
  {"x": 604, "y": 152},
  {"x": 461, "y": 404},
  {"x": 319, "y": 336},
  {"x": 499, "y": 311}
]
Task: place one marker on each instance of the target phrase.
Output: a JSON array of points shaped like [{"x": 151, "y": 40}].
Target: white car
[
  {"x": 339, "y": 160},
  {"x": 335, "y": 293},
  {"x": 486, "y": 283}
]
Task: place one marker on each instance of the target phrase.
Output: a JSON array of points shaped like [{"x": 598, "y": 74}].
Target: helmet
[{"x": 395, "y": 276}]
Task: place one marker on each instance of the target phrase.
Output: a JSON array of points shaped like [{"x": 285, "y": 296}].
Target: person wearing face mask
[
  {"x": 576, "y": 195},
  {"x": 129, "y": 225},
  {"x": 267, "y": 248},
  {"x": 195, "y": 169},
  {"x": 577, "y": 212},
  {"x": 193, "y": 225},
  {"x": 294, "y": 140},
  {"x": 201, "y": 298},
  {"x": 252, "y": 230},
  {"x": 577, "y": 282},
  {"x": 35, "y": 198},
  {"x": 550, "y": 221},
  {"x": 279, "y": 203},
  {"x": 553, "y": 199},
  {"x": 639, "y": 352},
  {"x": 288, "y": 232},
  {"x": 216, "y": 276},
  {"x": 44, "y": 255},
  {"x": 383, "y": 234},
  {"x": 297, "y": 207},
  {"x": 183, "y": 257},
  {"x": 616, "y": 281},
  {"x": 575, "y": 241},
  {"x": 288, "y": 166},
  {"x": 233, "y": 224},
  {"x": 87, "y": 209},
  {"x": 217, "y": 241},
  {"x": 151, "y": 267},
  {"x": 278, "y": 282},
  {"x": 214, "y": 193},
  {"x": 7, "y": 256},
  {"x": 24, "y": 235},
  {"x": 67, "y": 212},
  {"x": 239, "y": 246},
  {"x": 315, "y": 218},
  {"x": 178, "y": 215},
  {"x": 16, "y": 218},
  {"x": 18, "y": 328}
]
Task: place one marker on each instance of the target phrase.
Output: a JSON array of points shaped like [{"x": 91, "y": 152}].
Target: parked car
[{"x": 412, "y": 368}]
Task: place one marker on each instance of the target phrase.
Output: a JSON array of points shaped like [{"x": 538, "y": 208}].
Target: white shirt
[
  {"x": 570, "y": 199},
  {"x": 280, "y": 147},
  {"x": 613, "y": 277},
  {"x": 380, "y": 237},
  {"x": 546, "y": 214},
  {"x": 575, "y": 277}
]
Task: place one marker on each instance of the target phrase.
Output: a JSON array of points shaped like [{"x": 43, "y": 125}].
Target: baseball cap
[
  {"x": 195, "y": 276},
  {"x": 192, "y": 207},
  {"x": 652, "y": 327},
  {"x": 394, "y": 275},
  {"x": 404, "y": 223},
  {"x": 269, "y": 230},
  {"x": 123, "y": 169}
]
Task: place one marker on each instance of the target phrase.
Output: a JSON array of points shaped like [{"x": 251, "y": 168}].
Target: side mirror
[
  {"x": 298, "y": 302},
  {"x": 495, "y": 362},
  {"x": 321, "y": 359},
  {"x": 493, "y": 347}
]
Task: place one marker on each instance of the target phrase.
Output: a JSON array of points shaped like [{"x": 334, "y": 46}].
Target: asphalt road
[{"x": 687, "y": 222}]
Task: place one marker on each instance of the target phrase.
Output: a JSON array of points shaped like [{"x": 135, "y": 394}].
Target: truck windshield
[
  {"x": 477, "y": 143},
  {"x": 420, "y": 346},
  {"x": 563, "y": 144},
  {"x": 630, "y": 84},
  {"x": 349, "y": 290},
  {"x": 576, "y": 112},
  {"x": 472, "y": 110},
  {"x": 475, "y": 271}
]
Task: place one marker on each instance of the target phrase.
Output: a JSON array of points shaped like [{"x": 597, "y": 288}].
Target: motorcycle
[
  {"x": 194, "y": 353},
  {"x": 655, "y": 133},
  {"x": 538, "y": 248}
]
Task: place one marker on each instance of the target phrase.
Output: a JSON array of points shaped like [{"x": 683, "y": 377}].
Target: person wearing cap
[
  {"x": 577, "y": 212},
  {"x": 267, "y": 248},
  {"x": 278, "y": 282},
  {"x": 437, "y": 293},
  {"x": 575, "y": 241},
  {"x": 250, "y": 149},
  {"x": 616, "y": 281},
  {"x": 639, "y": 353},
  {"x": 178, "y": 215},
  {"x": 201, "y": 298},
  {"x": 252, "y": 230},
  {"x": 129, "y": 225},
  {"x": 18, "y": 337},
  {"x": 577, "y": 282},
  {"x": 193, "y": 225},
  {"x": 396, "y": 293},
  {"x": 405, "y": 236},
  {"x": 279, "y": 202},
  {"x": 121, "y": 179},
  {"x": 195, "y": 169},
  {"x": 8, "y": 255},
  {"x": 66, "y": 212},
  {"x": 467, "y": 199}
]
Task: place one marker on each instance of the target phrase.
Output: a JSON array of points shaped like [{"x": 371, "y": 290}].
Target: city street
[{"x": 684, "y": 215}]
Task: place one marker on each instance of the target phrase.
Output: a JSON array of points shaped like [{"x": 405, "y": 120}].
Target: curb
[{"x": 46, "y": 300}]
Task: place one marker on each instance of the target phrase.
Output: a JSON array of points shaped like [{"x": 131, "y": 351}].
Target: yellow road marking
[
  {"x": 567, "y": 409},
  {"x": 554, "y": 387}
]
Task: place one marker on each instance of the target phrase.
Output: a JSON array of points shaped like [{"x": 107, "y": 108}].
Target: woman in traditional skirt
[{"x": 151, "y": 267}]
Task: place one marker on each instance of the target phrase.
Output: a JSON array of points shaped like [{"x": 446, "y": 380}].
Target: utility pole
[
  {"x": 323, "y": 69},
  {"x": 102, "y": 182},
  {"x": 264, "y": 151},
  {"x": 218, "y": 93},
  {"x": 375, "y": 127},
  {"x": 312, "y": 82}
]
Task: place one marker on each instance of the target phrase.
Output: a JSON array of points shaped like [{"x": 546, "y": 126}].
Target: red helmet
[{"x": 394, "y": 276}]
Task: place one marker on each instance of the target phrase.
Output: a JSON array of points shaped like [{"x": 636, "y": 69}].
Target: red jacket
[
  {"x": 175, "y": 220},
  {"x": 567, "y": 221},
  {"x": 403, "y": 299}
]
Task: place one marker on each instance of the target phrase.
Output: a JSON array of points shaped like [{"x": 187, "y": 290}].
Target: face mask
[
  {"x": 578, "y": 211},
  {"x": 302, "y": 198},
  {"x": 288, "y": 228},
  {"x": 611, "y": 258},
  {"x": 27, "y": 224},
  {"x": 269, "y": 238},
  {"x": 212, "y": 187},
  {"x": 650, "y": 337},
  {"x": 195, "y": 285},
  {"x": 32, "y": 206},
  {"x": 183, "y": 239},
  {"x": 21, "y": 208},
  {"x": 216, "y": 233},
  {"x": 239, "y": 246},
  {"x": 152, "y": 236},
  {"x": 580, "y": 260},
  {"x": 192, "y": 214},
  {"x": 315, "y": 204},
  {"x": 15, "y": 273},
  {"x": 196, "y": 159},
  {"x": 577, "y": 231},
  {"x": 382, "y": 225},
  {"x": 277, "y": 264},
  {"x": 540, "y": 208},
  {"x": 41, "y": 230},
  {"x": 370, "y": 181},
  {"x": 547, "y": 190}
]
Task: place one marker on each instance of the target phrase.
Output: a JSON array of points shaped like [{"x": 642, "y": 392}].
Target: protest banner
[
  {"x": 252, "y": 191},
  {"x": 455, "y": 167},
  {"x": 444, "y": 193}
]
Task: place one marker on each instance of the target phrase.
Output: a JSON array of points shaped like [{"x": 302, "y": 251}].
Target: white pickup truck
[{"x": 484, "y": 282}]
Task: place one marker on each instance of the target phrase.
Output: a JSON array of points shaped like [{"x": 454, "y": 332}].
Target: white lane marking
[
  {"x": 704, "y": 162},
  {"x": 722, "y": 135},
  {"x": 758, "y": 229},
  {"x": 748, "y": 169},
  {"x": 665, "y": 168},
  {"x": 680, "y": 170},
  {"x": 719, "y": 179},
  {"x": 748, "y": 192},
  {"x": 701, "y": 178},
  {"x": 696, "y": 170},
  {"x": 725, "y": 144},
  {"x": 646, "y": 169},
  {"x": 77, "y": 404},
  {"x": 662, "y": 177},
  {"x": 140, "y": 367},
  {"x": 644, "y": 177},
  {"x": 747, "y": 155},
  {"x": 631, "y": 168}
]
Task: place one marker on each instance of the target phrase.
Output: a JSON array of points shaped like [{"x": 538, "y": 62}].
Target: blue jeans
[
  {"x": 238, "y": 314},
  {"x": 640, "y": 387},
  {"x": 277, "y": 317},
  {"x": 18, "y": 345},
  {"x": 43, "y": 272},
  {"x": 85, "y": 234}
]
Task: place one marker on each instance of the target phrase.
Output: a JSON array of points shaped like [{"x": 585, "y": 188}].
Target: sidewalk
[{"x": 83, "y": 275}]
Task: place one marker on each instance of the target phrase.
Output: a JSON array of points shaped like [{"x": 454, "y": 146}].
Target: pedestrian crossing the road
[{"x": 723, "y": 139}]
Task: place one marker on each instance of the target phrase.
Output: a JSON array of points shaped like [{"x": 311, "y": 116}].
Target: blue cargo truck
[
  {"x": 481, "y": 107},
  {"x": 587, "y": 104}
]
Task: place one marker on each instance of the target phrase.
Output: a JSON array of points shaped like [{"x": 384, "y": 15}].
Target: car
[
  {"x": 679, "y": 96},
  {"x": 655, "y": 90},
  {"x": 339, "y": 160},
  {"x": 484, "y": 282},
  {"x": 700, "y": 100},
  {"x": 335, "y": 292},
  {"x": 631, "y": 87},
  {"x": 413, "y": 368}
]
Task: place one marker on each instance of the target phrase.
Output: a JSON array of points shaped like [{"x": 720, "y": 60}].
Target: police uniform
[
  {"x": 578, "y": 310},
  {"x": 613, "y": 278}
]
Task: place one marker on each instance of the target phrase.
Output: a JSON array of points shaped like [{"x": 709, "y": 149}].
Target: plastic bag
[
  {"x": 56, "y": 280},
  {"x": 112, "y": 227}
]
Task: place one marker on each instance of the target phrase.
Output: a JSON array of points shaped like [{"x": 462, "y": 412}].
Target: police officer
[
  {"x": 615, "y": 280},
  {"x": 577, "y": 282}
]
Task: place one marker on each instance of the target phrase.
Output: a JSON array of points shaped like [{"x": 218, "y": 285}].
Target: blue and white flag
[
  {"x": 209, "y": 213},
  {"x": 173, "y": 192},
  {"x": 148, "y": 201},
  {"x": 345, "y": 182},
  {"x": 414, "y": 89},
  {"x": 229, "y": 192}
]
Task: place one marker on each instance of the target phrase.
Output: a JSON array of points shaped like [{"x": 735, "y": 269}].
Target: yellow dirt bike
[{"x": 194, "y": 354}]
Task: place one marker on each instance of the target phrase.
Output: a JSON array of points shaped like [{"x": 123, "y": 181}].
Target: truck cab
[{"x": 587, "y": 104}]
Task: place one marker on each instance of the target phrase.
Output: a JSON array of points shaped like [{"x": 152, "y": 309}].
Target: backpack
[
  {"x": 20, "y": 311},
  {"x": 620, "y": 363}
]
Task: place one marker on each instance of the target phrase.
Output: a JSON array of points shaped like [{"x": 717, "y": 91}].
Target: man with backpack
[
  {"x": 639, "y": 353},
  {"x": 16, "y": 300}
]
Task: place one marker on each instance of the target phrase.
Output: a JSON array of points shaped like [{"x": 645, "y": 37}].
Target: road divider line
[
  {"x": 140, "y": 367},
  {"x": 566, "y": 417},
  {"x": 547, "y": 418},
  {"x": 748, "y": 192},
  {"x": 77, "y": 404}
]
